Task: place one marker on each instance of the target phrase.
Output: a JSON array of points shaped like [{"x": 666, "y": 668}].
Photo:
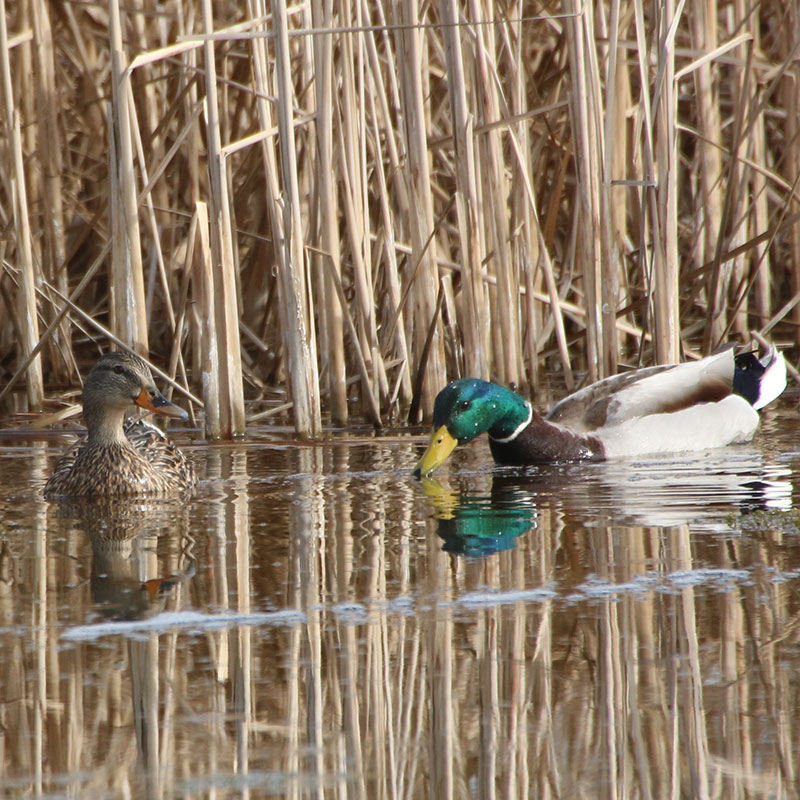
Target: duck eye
[
  {"x": 119, "y": 369},
  {"x": 464, "y": 405}
]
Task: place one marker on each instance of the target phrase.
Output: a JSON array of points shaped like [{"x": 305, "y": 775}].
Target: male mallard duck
[
  {"x": 121, "y": 457},
  {"x": 673, "y": 408}
]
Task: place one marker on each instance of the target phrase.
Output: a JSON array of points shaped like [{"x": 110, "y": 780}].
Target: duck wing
[
  {"x": 644, "y": 392},
  {"x": 63, "y": 470},
  {"x": 162, "y": 455}
]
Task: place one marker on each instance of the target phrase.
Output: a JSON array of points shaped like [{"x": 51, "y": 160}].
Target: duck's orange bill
[
  {"x": 440, "y": 447},
  {"x": 159, "y": 404}
]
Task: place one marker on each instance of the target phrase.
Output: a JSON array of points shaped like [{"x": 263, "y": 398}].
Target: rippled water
[{"x": 316, "y": 623}]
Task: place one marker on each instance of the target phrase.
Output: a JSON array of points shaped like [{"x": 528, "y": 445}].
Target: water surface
[{"x": 315, "y": 623}]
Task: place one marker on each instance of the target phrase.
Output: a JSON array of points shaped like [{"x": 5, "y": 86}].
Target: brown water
[{"x": 315, "y": 623}]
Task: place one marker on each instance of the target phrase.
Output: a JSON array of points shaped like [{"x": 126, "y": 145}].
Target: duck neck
[
  {"x": 104, "y": 423},
  {"x": 517, "y": 414}
]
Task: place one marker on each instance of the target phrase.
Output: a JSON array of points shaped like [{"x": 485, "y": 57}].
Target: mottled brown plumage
[{"x": 119, "y": 457}]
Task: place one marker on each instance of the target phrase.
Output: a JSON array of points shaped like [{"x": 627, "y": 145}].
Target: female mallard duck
[
  {"x": 121, "y": 457},
  {"x": 671, "y": 408}
]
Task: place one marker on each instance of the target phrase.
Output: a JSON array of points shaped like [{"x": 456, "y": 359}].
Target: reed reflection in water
[{"x": 307, "y": 626}]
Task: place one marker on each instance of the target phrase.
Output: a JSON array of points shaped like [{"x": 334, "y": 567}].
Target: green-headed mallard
[
  {"x": 118, "y": 456},
  {"x": 675, "y": 408}
]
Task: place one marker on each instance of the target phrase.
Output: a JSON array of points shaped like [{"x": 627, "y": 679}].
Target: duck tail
[{"x": 760, "y": 381}]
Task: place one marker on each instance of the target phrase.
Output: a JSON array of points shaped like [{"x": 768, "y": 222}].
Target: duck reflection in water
[
  {"x": 477, "y": 525},
  {"x": 654, "y": 493},
  {"x": 125, "y": 538},
  {"x": 117, "y": 591}
]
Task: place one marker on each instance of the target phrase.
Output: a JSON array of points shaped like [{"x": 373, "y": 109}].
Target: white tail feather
[{"x": 773, "y": 381}]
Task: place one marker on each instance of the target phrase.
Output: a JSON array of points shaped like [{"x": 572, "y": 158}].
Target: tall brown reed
[{"x": 614, "y": 183}]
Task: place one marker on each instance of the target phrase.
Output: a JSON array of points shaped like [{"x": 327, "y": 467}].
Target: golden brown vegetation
[{"x": 354, "y": 202}]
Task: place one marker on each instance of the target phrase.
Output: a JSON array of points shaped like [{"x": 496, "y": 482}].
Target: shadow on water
[{"x": 316, "y": 623}]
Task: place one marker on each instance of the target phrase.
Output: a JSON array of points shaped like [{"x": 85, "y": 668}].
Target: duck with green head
[{"x": 693, "y": 406}]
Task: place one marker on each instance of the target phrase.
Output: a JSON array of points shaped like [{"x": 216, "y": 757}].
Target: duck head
[
  {"x": 465, "y": 409},
  {"x": 115, "y": 382}
]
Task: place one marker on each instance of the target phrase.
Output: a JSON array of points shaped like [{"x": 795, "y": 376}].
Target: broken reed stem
[{"x": 449, "y": 132}]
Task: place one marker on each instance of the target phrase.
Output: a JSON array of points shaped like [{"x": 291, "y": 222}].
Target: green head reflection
[{"x": 477, "y": 525}]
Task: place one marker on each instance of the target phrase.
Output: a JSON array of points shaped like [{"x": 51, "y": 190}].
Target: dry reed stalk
[
  {"x": 392, "y": 276},
  {"x": 709, "y": 171},
  {"x": 350, "y": 169},
  {"x": 296, "y": 306},
  {"x": 555, "y": 309},
  {"x": 151, "y": 215},
  {"x": 602, "y": 112},
  {"x": 720, "y": 275},
  {"x": 129, "y": 310},
  {"x": 421, "y": 214},
  {"x": 232, "y": 420},
  {"x": 474, "y": 313},
  {"x": 740, "y": 218},
  {"x": 145, "y": 85},
  {"x": 495, "y": 190},
  {"x": 791, "y": 97},
  {"x": 26, "y": 310},
  {"x": 594, "y": 250},
  {"x": 327, "y": 213},
  {"x": 617, "y": 145},
  {"x": 387, "y": 97},
  {"x": 547, "y": 270},
  {"x": 207, "y": 345},
  {"x": 372, "y": 407},
  {"x": 760, "y": 257},
  {"x": 350, "y": 154},
  {"x": 53, "y": 251},
  {"x": 525, "y": 242},
  {"x": 25, "y": 305},
  {"x": 664, "y": 221}
]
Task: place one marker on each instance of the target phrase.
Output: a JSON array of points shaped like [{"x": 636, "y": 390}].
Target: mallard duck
[
  {"x": 673, "y": 408},
  {"x": 118, "y": 456}
]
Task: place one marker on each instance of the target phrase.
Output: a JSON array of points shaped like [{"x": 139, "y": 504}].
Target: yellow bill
[
  {"x": 440, "y": 447},
  {"x": 445, "y": 500}
]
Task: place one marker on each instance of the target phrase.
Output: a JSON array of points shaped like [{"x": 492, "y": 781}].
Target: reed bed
[{"x": 342, "y": 206}]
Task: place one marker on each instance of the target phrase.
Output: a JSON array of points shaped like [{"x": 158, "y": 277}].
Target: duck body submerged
[
  {"x": 118, "y": 456},
  {"x": 697, "y": 405}
]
